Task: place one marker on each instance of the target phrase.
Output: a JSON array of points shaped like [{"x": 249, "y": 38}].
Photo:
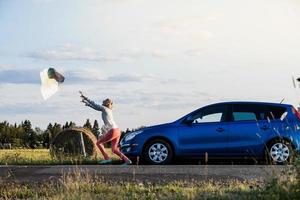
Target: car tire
[
  {"x": 158, "y": 152},
  {"x": 279, "y": 152}
]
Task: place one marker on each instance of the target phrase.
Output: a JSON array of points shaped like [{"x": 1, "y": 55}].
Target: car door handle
[
  {"x": 220, "y": 129},
  {"x": 265, "y": 127}
]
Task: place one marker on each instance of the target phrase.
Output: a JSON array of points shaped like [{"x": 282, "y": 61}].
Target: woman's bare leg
[
  {"x": 115, "y": 149},
  {"x": 102, "y": 140},
  {"x": 114, "y": 136}
]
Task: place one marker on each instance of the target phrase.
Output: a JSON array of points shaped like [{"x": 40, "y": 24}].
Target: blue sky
[{"x": 157, "y": 59}]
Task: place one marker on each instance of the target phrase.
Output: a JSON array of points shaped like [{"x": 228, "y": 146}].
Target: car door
[
  {"x": 204, "y": 131},
  {"x": 274, "y": 123},
  {"x": 245, "y": 130}
]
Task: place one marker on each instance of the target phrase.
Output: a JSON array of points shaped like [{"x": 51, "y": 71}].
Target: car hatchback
[{"x": 224, "y": 130}]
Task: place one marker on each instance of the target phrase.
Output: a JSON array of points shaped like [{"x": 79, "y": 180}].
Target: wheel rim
[
  {"x": 158, "y": 152},
  {"x": 279, "y": 152}
]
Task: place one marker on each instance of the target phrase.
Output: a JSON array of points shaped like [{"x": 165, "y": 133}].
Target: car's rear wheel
[
  {"x": 158, "y": 152},
  {"x": 279, "y": 152}
]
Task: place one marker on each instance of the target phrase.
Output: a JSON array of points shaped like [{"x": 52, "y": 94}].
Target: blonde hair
[{"x": 106, "y": 102}]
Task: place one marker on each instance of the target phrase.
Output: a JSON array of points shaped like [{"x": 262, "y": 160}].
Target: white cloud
[
  {"x": 43, "y": 1},
  {"x": 100, "y": 2},
  {"x": 19, "y": 76},
  {"x": 71, "y": 52},
  {"x": 195, "y": 52},
  {"x": 125, "y": 78},
  {"x": 73, "y": 76},
  {"x": 85, "y": 74},
  {"x": 186, "y": 33},
  {"x": 98, "y": 75},
  {"x": 181, "y": 30},
  {"x": 138, "y": 98},
  {"x": 5, "y": 67},
  {"x": 192, "y": 27},
  {"x": 189, "y": 21},
  {"x": 157, "y": 53}
]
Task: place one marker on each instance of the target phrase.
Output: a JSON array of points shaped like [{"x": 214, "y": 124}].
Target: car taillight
[{"x": 296, "y": 113}]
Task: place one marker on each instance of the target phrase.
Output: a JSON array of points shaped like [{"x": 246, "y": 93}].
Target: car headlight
[{"x": 130, "y": 136}]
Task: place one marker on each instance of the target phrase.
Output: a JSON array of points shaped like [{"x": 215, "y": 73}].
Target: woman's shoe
[
  {"x": 105, "y": 162},
  {"x": 128, "y": 162}
]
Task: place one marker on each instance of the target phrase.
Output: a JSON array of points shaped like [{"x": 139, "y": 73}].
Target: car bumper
[{"x": 131, "y": 149}]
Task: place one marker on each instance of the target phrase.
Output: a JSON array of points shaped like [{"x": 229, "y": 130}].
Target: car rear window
[
  {"x": 253, "y": 112},
  {"x": 274, "y": 112}
]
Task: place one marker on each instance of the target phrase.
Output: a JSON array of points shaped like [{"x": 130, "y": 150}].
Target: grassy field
[
  {"x": 42, "y": 157},
  {"x": 87, "y": 189},
  {"x": 81, "y": 185}
]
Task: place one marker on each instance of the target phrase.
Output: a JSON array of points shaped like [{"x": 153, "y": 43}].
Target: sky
[{"x": 157, "y": 59}]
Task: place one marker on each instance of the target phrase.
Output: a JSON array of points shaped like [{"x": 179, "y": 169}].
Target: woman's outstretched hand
[{"x": 83, "y": 98}]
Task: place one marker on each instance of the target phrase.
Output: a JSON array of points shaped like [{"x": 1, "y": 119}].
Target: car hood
[{"x": 159, "y": 126}]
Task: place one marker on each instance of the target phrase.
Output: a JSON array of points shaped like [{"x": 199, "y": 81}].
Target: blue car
[{"x": 224, "y": 130}]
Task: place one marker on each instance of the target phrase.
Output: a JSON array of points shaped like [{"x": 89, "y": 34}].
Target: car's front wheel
[
  {"x": 279, "y": 152},
  {"x": 158, "y": 152}
]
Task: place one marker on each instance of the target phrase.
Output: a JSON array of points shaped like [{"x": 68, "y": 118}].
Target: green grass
[
  {"x": 87, "y": 189},
  {"x": 43, "y": 157},
  {"x": 81, "y": 185}
]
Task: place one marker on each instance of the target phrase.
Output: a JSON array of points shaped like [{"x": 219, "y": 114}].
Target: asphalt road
[{"x": 142, "y": 173}]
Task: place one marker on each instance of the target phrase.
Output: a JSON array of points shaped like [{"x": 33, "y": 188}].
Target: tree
[
  {"x": 33, "y": 139},
  {"x": 49, "y": 131},
  {"x": 53, "y": 130},
  {"x": 88, "y": 125},
  {"x": 56, "y": 129},
  {"x": 66, "y": 125},
  {"x": 72, "y": 124},
  {"x": 24, "y": 135},
  {"x": 95, "y": 128},
  {"x": 27, "y": 134},
  {"x": 45, "y": 138}
]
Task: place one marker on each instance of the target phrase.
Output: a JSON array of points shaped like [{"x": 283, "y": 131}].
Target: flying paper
[{"x": 50, "y": 80}]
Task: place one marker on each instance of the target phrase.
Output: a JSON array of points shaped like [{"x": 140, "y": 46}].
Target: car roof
[
  {"x": 239, "y": 102},
  {"x": 252, "y": 102}
]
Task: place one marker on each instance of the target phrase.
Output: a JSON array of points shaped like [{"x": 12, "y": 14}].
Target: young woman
[{"x": 110, "y": 130}]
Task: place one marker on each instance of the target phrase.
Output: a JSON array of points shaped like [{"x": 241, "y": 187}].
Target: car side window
[
  {"x": 215, "y": 117},
  {"x": 209, "y": 114},
  {"x": 247, "y": 112},
  {"x": 244, "y": 116}
]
